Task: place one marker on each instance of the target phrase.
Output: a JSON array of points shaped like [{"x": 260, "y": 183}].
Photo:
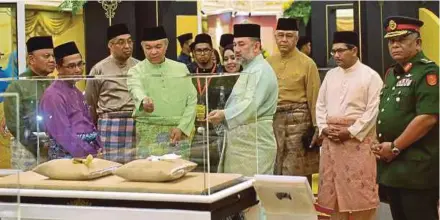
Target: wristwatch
[{"x": 394, "y": 149}]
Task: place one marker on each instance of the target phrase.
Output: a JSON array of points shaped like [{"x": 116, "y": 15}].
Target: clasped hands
[
  {"x": 383, "y": 151},
  {"x": 336, "y": 134}
]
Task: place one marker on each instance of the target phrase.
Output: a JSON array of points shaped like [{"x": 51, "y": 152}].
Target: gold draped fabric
[
  {"x": 40, "y": 23},
  {"x": 345, "y": 24},
  {"x": 62, "y": 26}
]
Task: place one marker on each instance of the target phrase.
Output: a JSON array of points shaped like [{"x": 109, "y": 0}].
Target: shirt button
[
  {"x": 388, "y": 99},
  {"x": 380, "y": 134},
  {"x": 379, "y": 122},
  {"x": 382, "y": 110},
  {"x": 394, "y": 88},
  {"x": 398, "y": 77},
  {"x": 398, "y": 99}
]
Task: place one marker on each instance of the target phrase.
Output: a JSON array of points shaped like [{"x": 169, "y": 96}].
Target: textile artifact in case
[
  {"x": 155, "y": 169},
  {"x": 76, "y": 169}
]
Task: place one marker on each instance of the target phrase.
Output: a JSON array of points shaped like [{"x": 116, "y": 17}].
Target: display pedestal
[
  {"x": 62, "y": 204},
  {"x": 285, "y": 197}
]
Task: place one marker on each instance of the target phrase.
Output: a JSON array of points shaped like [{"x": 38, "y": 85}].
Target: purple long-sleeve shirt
[{"x": 65, "y": 115}]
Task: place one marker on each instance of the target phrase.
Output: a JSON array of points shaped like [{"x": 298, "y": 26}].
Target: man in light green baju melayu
[
  {"x": 165, "y": 99},
  {"x": 251, "y": 146}
]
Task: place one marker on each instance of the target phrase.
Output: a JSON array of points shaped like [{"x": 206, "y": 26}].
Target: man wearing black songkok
[
  {"x": 27, "y": 150},
  {"x": 185, "y": 41},
  {"x": 298, "y": 88},
  {"x": 250, "y": 107},
  {"x": 164, "y": 97},
  {"x": 225, "y": 40},
  {"x": 346, "y": 112},
  {"x": 111, "y": 105}
]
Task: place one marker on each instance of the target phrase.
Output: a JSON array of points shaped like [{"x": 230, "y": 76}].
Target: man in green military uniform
[
  {"x": 407, "y": 126},
  {"x": 41, "y": 62}
]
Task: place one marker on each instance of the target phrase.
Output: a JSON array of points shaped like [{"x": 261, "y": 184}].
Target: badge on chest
[
  {"x": 405, "y": 82},
  {"x": 200, "y": 112}
]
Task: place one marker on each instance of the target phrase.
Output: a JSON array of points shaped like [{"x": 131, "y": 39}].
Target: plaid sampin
[{"x": 118, "y": 138}]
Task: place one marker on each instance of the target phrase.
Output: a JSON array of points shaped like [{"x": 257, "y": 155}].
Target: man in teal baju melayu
[
  {"x": 165, "y": 99},
  {"x": 251, "y": 145}
]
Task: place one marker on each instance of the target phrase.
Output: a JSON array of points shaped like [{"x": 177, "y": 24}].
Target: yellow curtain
[
  {"x": 47, "y": 23},
  {"x": 345, "y": 24},
  {"x": 430, "y": 34},
  {"x": 62, "y": 26}
]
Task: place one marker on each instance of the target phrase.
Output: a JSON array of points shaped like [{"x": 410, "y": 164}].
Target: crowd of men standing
[{"x": 360, "y": 132}]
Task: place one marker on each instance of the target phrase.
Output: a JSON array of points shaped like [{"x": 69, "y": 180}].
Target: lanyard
[{"x": 199, "y": 87}]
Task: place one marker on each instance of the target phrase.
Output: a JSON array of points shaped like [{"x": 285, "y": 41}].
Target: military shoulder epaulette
[{"x": 426, "y": 61}]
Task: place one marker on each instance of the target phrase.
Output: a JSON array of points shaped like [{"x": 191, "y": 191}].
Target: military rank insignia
[
  {"x": 404, "y": 82},
  {"x": 432, "y": 79},
  {"x": 423, "y": 60},
  {"x": 407, "y": 67},
  {"x": 392, "y": 25}
]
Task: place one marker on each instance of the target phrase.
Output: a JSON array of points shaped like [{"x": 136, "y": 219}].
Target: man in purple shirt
[{"x": 65, "y": 112}]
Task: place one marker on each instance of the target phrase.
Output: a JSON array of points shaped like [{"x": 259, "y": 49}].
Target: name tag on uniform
[
  {"x": 404, "y": 82},
  {"x": 200, "y": 112}
]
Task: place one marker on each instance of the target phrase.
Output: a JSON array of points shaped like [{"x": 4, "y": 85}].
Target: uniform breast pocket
[{"x": 405, "y": 99}]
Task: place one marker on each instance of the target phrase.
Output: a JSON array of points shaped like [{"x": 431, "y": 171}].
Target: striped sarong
[{"x": 117, "y": 133}]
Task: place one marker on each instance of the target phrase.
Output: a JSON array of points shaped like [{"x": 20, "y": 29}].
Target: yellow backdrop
[
  {"x": 185, "y": 24},
  {"x": 62, "y": 26},
  {"x": 430, "y": 34}
]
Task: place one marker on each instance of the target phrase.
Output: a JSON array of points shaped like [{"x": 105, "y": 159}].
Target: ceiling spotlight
[
  {"x": 201, "y": 11},
  {"x": 235, "y": 13},
  {"x": 249, "y": 14}
]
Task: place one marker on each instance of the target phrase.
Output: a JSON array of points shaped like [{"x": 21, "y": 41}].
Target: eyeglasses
[
  {"x": 122, "y": 42},
  {"x": 339, "y": 51},
  {"x": 72, "y": 66},
  {"x": 288, "y": 36},
  {"x": 201, "y": 51}
]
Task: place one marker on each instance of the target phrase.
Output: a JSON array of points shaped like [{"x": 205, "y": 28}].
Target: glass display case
[{"x": 210, "y": 120}]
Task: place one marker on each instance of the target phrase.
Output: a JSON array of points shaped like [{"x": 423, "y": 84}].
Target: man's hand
[
  {"x": 148, "y": 105},
  {"x": 316, "y": 141},
  {"x": 216, "y": 117},
  {"x": 343, "y": 134},
  {"x": 99, "y": 153},
  {"x": 175, "y": 135},
  {"x": 383, "y": 151},
  {"x": 331, "y": 134}
]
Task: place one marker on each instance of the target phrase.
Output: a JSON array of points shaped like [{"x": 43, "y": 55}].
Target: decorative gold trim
[
  {"x": 79, "y": 202},
  {"x": 50, "y": 8},
  {"x": 109, "y": 7},
  {"x": 157, "y": 13},
  {"x": 396, "y": 33},
  {"x": 327, "y": 52},
  {"x": 392, "y": 25}
]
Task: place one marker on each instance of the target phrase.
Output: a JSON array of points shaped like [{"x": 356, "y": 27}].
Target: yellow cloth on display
[
  {"x": 76, "y": 169},
  {"x": 145, "y": 170}
]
